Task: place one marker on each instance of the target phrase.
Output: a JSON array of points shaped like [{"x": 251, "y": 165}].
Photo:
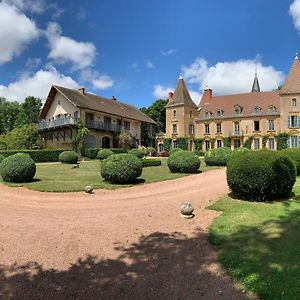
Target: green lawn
[
  {"x": 53, "y": 177},
  {"x": 259, "y": 244}
]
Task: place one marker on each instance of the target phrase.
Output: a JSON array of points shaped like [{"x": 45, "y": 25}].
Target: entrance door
[
  {"x": 89, "y": 142},
  {"x": 105, "y": 142}
]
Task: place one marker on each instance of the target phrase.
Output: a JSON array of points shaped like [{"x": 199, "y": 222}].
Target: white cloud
[
  {"x": 294, "y": 11},
  {"x": 231, "y": 77},
  {"x": 135, "y": 66},
  {"x": 17, "y": 31},
  {"x": 37, "y": 85},
  {"x": 33, "y": 63},
  {"x": 66, "y": 50},
  {"x": 33, "y": 6},
  {"x": 167, "y": 52},
  {"x": 150, "y": 65},
  {"x": 103, "y": 82},
  {"x": 161, "y": 91}
]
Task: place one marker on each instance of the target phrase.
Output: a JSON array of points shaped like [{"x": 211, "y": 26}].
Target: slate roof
[
  {"x": 96, "y": 103},
  {"x": 292, "y": 82}
]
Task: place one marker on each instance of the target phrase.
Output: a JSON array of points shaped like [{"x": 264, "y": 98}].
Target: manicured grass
[
  {"x": 55, "y": 177},
  {"x": 259, "y": 244}
]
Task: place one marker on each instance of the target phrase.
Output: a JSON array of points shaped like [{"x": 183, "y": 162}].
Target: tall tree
[{"x": 8, "y": 115}]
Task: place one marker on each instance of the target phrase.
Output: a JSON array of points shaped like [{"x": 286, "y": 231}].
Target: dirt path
[{"x": 121, "y": 244}]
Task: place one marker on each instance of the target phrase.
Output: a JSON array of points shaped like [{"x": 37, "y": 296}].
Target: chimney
[
  {"x": 113, "y": 98},
  {"x": 170, "y": 96},
  {"x": 82, "y": 90},
  {"x": 206, "y": 97}
]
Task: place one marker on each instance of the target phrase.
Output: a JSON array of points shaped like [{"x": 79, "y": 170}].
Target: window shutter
[
  {"x": 289, "y": 121},
  {"x": 298, "y": 122},
  {"x": 298, "y": 141},
  {"x": 289, "y": 142}
]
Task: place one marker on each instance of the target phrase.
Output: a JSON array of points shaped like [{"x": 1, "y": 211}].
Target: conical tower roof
[
  {"x": 181, "y": 96},
  {"x": 292, "y": 82},
  {"x": 255, "y": 86}
]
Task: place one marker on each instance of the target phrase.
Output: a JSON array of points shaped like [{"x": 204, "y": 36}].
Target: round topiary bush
[
  {"x": 261, "y": 175},
  {"x": 68, "y": 157},
  {"x": 104, "y": 153},
  {"x": 183, "y": 162},
  {"x": 217, "y": 157},
  {"x": 121, "y": 168},
  {"x": 294, "y": 155},
  {"x": 19, "y": 167},
  {"x": 174, "y": 150},
  {"x": 137, "y": 152},
  {"x": 1, "y": 157}
]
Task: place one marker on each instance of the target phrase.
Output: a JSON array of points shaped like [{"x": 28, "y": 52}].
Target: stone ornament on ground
[
  {"x": 187, "y": 210},
  {"x": 88, "y": 189}
]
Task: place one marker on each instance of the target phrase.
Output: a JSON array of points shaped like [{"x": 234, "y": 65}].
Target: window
[
  {"x": 174, "y": 113},
  {"x": 238, "y": 110},
  {"x": 219, "y": 143},
  {"x": 256, "y": 126},
  {"x": 293, "y": 121},
  {"x": 174, "y": 130},
  {"x": 257, "y": 109},
  {"x": 271, "y": 109},
  {"x": 237, "y": 143},
  {"x": 256, "y": 144},
  {"x": 206, "y": 128},
  {"x": 293, "y": 141},
  {"x": 174, "y": 144},
  {"x": 119, "y": 122},
  {"x": 294, "y": 102},
  {"x": 236, "y": 128},
  {"x": 220, "y": 113},
  {"x": 127, "y": 125},
  {"x": 219, "y": 128},
  {"x": 208, "y": 114},
  {"x": 271, "y": 144},
  {"x": 191, "y": 129},
  {"x": 75, "y": 116},
  {"x": 271, "y": 125},
  {"x": 207, "y": 145}
]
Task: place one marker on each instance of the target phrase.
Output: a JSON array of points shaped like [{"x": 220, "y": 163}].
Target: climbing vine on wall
[
  {"x": 212, "y": 143},
  {"x": 198, "y": 144},
  {"x": 226, "y": 142},
  {"x": 167, "y": 144},
  {"x": 264, "y": 140},
  {"x": 182, "y": 143},
  {"x": 282, "y": 139},
  {"x": 248, "y": 142}
]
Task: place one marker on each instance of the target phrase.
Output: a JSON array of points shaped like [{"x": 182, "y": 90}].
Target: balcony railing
[
  {"x": 59, "y": 122},
  {"x": 236, "y": 133},
  {"x": 103, "y": 126}
]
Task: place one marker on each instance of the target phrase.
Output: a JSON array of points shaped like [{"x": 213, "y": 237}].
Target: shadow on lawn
[
  {"x": 266, "y": 258},
  {"x": 158, "y": 266}
]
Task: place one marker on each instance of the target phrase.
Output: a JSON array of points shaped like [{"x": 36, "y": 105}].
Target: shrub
[
  {"x": 238, "y": 151},
  {"x": 104, "y": 153},
  {"x": 46, "y": 155},
  {"x": 217, "y": 157},
  {"x": 19, "y": 167},
  {"x": 137, "y": 152},
  {"x": 199, "y": 152},
  {"x": 151, "y": 151},
  {"x": 92, "y": 152},
  {"x": 68, "y": 157},
  {"x": 294, "y": 155},
  {"x": 151, "y": 162},
  {"x": 183, "y": 162},
  {"x": 121, "y": 168},
  {"x": 261, "y": 175},
  {"x": 1, "y": 157},
  {"x": 174, "y": 150},
  {"x": 118, "y": 150}
]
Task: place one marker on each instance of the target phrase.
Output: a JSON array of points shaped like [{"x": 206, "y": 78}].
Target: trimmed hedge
[
  {"x": 19, "y": 167},
  {"x": 151, "y": 162},
  {"x": 91, "y": 152},
  {"x": 294, "y": 155},
  {"x": 137, "y": 152},
  {"x": 1, "y": 157},
  {"x": 68, "y": 157},
  {"x": 261, "y": 175},
  {"x": 183, "y": 162},
  {"x": 217, "y": 157},
  {"x": 104, "y": 153},
  {"x": 174, "y": 150},
  {"x": 45, "y": 155},
  {"x": 118, "y": 150},
  {"x": 121, "y": 168},
  {"x": 199, "y": 152}
]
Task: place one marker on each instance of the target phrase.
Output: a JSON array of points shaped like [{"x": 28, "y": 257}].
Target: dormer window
[
  {"x": 238, "y": 110},
  {"x": 208, "y": 114},
  {"x": 257, "y": 109},
  {"x": 272, "y": 109},
  {"x": 220, "y": 113}
]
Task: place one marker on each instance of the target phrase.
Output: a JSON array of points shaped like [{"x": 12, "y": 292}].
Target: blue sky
[{"x": 136, "y": 49}]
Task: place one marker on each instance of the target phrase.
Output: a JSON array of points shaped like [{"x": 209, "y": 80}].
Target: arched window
[
  {"x": 257, "y": 109},
  {"x": 208, "y": 114},
  {"x": 238, "y": 109},
  {"x": 220, "y": 112}
]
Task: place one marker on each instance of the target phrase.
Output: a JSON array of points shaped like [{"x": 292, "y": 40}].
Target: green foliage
[
  {"x": 68, "y": 157},
  {"x": 104, "y": 153},
  {"x": 1, "y": 157},
  {"x": 8, "y": 115},
  {"x": 82, "y": 132},
  {"x": 19, "y": 167},
  {"x": 294, "y": 155},
  {"x": 174, "y": 150},
  {"x": 226, "y": 142},
  {"x": 182, "y": 143},
  {"x": 25, "y": 137},
  {"x": 167, "y": 144},
  {"x": 238, "y": 151},
  {"x": 183, "y": 162},
  {"x": 199, "y": 152},
  {"x": 46, "y": 155},
  {"x": 121, "y": 168},
  {"x": 92, "y": 152},
  {"x": 118, "y": 150},
  {"x": 151, "y": 162},
  {"x": 281, "y": 139},
  {"x": 139, "y": 153},
  {"x": 212, "y": 143},
  {"x": 217, "y": 157},
  {"x": 125, "y": 140},
  {"x": 261, "y": 175},
  {"x": 248, "y": 142},
  {"x": 151, "y": 151},
  {"x": 264, "y": 140},
  {"x": 198, "y": 144}
]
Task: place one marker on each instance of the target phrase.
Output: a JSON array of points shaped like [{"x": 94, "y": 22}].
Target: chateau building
[
  {"x": 254, "y": 118},
  {"x": 105, "y": 118}
]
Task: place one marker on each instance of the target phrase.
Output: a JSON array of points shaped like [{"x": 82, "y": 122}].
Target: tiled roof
[
  {"x": 96, "y": 103},
  {"x": 247, "y": 102},
  {"x": 292, "y": 82},
  {"x": 181, "y": 96}
]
